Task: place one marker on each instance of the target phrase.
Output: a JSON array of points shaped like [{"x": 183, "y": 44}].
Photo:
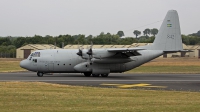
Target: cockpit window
[
  {"x": 35, "y": 60},
  {"x": 30, "y": 58},
  {"x": 36, "y": 54}
]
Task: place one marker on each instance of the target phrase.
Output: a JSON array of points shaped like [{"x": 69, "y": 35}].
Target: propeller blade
[
  {"x": 91, "y": 44},
  {"x": 80, "y": 52},
  {"x": 90, "y": 49},
  {"x": 89, "y": 52}
]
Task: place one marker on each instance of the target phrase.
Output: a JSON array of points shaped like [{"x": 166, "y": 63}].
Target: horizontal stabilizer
[{"x": 178, "y": 51}]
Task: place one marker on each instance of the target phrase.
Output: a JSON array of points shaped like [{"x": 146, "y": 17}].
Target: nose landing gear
[{"x": 40, "y": 74}]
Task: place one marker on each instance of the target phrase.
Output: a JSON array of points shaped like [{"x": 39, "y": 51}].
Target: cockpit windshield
[{"x": 34, "y": 54}]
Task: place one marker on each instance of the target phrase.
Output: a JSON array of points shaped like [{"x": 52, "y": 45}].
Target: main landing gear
[
  {"x": 95, "y": 75},
  {"x": 87, "y": 74},
  {"x": 40, "y": 74}
]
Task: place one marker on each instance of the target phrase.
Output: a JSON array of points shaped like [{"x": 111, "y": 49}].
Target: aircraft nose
[{"x": 23, "y": 63}]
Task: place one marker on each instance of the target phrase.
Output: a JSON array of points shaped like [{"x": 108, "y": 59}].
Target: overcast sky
[{"x": 55, "y": 17}]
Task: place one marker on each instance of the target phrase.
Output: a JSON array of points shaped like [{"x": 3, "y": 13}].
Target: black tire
[
  {"x": 40, "y": 74},
  {"x": 95, "y": 75},
  {"x": 104, "y": 75},
  {"x": 87, "y": 74}
]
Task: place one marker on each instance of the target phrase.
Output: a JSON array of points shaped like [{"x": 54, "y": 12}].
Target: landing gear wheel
[
  {"x": 104, "y": 75},
  {"x": 87, "y": 74},
  {"x": 95, "y": 75},
  {"x": 40, "y": 74}
]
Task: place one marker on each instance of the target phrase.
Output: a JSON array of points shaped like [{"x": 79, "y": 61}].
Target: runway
[{"x": 177, "y": 82}]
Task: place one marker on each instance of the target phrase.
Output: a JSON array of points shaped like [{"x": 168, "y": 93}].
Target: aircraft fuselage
[{"x": 64, "y": 61}]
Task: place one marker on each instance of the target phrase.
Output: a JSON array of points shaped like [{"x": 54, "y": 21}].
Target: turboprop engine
[
  {"x": 89, "y": 54},
  {"x": 96, "y": 60},
  {"x": 97, "y": 53}
]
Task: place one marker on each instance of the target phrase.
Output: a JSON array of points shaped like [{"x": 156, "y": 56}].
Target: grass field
[
  {"x": 42, "y": 97},
  {"x": 10, "y": 65},
  {"x": 168, "y": 65}
]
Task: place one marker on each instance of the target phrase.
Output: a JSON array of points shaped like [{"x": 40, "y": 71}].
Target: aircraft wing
[
  {"x": 126, "y": 51},
  {"x": 116, "y": 55}
]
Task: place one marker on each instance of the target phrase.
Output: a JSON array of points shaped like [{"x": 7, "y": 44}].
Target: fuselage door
[
  {"x": 34, "y": 63},
  {"x": 51, "y": 67}
]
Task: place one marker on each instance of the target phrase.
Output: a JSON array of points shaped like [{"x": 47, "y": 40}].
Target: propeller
[
  {"x": 84, "y": 53},
  {"x": 90, "y": 53},
  {"x": 80, "y": 52},
  {"x": 90, "y": 50}
]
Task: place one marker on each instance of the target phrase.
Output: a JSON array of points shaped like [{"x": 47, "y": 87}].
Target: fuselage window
[{"x": 35, "y": 60}]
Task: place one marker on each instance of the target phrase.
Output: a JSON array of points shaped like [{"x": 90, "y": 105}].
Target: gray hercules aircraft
[{"x": 98, "y": 62}]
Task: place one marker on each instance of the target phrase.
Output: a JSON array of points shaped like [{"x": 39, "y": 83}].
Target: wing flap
[
  {"x": 127, "y": 52},
  {"x": 124, "y": 49}
]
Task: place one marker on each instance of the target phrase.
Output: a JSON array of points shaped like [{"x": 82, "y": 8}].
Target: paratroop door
[{"x": 51, "y": 67}]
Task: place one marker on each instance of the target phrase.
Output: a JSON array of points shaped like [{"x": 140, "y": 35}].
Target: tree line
[{"x": 10, "y": 44}]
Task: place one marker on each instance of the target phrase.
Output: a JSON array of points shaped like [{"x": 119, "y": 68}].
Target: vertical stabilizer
[{"x": 169, "y": 35}]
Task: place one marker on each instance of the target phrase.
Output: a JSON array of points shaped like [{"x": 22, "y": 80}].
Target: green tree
[
  {"x": 147, "y": 32},
  {"x": 193, "y": 40},
  {"x": 136, "y": 33},
  {"x": 19, "y": 42},
  {"x": 81, "y": 39},
  {"x": 5, "y": 41},
  {"x": 37, "y": 39},
  {"x": 89, "y": 39},
  {"x": 185, "y": 39},
  {"x": 127, "y": 41},
  {"x": 154, "y": 31},
  {"x": 120, "y": 33},
  {"x": 198, "y": 33}
]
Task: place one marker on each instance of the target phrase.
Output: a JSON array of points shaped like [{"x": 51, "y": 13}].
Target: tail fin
[{"x": 169, "y": 35}]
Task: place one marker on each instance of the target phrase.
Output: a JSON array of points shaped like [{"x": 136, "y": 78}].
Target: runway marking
[
  {"x": 105, "y": 80},
  {"x": 134, "y": 85}
]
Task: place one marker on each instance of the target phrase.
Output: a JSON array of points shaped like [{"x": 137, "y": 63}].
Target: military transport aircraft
[{"x": 98, "y": 62}]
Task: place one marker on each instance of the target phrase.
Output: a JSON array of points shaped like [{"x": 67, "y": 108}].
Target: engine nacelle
[
  {"x": 112, "y": 60},
  {"x": 94, "y": 69},
  {"x": 97, "y": 53},
  {"x": 83, "y": 67},
  {"x": 102, "y": 53}
]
